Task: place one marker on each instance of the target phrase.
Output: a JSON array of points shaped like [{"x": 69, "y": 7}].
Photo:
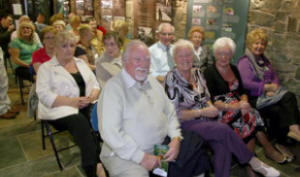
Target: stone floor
[{"x": 21, "y": 153}]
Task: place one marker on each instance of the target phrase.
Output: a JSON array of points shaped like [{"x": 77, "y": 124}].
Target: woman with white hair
[
  {"x": 228, "y": 95},
  {"x": 187, "y": 89}
]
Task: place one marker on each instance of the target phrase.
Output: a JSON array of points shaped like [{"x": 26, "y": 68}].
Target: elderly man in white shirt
[
  {"x": 161, "y": 57},
  {"x": 134, "y": 115}
]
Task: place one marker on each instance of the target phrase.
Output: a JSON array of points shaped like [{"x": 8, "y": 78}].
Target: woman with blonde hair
[
  {"x": 21, "y": 49},
  {"x": 75, "y": 22},
  {"x": 25, "y": 18},
  {"x": 122, "y": 27},
  {"x": 272, "y": 100},
  {"x": 66, "y": 87},
  {"x": 202, "y": 58},
  {"x": 85, "y": 50}
]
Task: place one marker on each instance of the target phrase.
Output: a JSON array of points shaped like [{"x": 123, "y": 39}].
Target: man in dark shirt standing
[{"x": 6, "y": 28}]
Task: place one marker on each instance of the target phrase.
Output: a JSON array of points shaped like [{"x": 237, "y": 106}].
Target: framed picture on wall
[
  {"x": 79, "y": 7},
  {"x": 111, "y": 10}
]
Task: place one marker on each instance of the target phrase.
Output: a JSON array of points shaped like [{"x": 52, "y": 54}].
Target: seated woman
[
  {"x": 230, "y": 97},
  {"x": 39, "y": 57},
  {"x": 271, "y": 99},
  {"x": 66, "y": 87},
  {"x": 122, "y": 27},
  {"x": 21, "y": 49},
  {"x": 59, "y": 25},
  {"x": 44, "y": 54},
  {"x": 97, "y": 40},
  {"x": 109, "y": 64},
  {"x": 25, "y": 18},
  {"x": 187, "y": 89},
  {"x": 202, "y": 59},
  {"x": 84, "y": 49}
]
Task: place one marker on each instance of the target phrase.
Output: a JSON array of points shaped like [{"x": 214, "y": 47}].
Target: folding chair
[{"x": 47, "y": 132}]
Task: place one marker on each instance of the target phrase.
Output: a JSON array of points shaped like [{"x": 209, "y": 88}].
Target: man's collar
[
  {"x": 129, "y": 81},
  {"x": 163, "y": 46}
]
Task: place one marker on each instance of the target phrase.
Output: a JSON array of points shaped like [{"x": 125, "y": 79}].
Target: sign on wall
[{"x": 220, "y": 18}]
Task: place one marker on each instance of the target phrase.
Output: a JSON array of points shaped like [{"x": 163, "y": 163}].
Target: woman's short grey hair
[
  {"x": 162, "y": 25},
  {"x": 65, "y": 36},
  {"x": 180, "y": 44},
  {"x": 129, "y": 47},
  {"x": 224, "y": 42}
]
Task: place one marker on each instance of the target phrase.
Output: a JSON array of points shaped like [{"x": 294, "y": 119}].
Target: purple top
[{"x": 250, "y": 80}]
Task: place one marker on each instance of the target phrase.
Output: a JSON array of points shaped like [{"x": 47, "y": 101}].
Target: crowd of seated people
[{"x": 184, "y": 88}]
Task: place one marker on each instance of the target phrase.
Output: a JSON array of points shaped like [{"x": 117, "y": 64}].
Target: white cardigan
[{"x": 53, "y": 80}]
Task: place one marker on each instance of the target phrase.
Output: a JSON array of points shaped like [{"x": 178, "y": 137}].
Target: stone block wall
[{"x": 281, "y": 18}]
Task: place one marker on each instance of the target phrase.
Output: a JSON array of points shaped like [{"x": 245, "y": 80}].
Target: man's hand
[
  {"x": 150, "y": 161},
  {"x": 173, "y": 151}
]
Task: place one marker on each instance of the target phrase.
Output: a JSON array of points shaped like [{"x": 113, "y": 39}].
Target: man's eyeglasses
[{"x": 167, "y": 34}]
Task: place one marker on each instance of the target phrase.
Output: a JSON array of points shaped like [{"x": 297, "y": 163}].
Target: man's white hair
[
  {"x": 129, "y": 47},
  {"x": 162, "y": 25}
]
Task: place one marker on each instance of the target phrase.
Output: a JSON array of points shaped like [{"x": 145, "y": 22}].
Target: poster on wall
[
  {"x": 220, "y": 18},
  {"x": 118, "y": 8},
  {"x": 80, "y": 7},
  {"x": 88, "y": 8},
  {"x": 163, "y": 11},
  {"x": 143, "y": 14}
]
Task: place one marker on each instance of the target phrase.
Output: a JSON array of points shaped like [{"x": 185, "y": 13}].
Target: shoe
[
  {"x": 266, "y": 170},
  {"x": 294, "y": 136},
  {"x": 285, "y": 151},
  {"x": 276, "y": 156},
  {"x": 8, "y": 115}
]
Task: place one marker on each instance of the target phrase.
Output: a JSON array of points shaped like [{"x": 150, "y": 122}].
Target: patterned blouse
[{"x": 182, "y": 93}]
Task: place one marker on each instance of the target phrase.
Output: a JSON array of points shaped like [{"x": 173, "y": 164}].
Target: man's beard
[{"x": 141, "y": 77}]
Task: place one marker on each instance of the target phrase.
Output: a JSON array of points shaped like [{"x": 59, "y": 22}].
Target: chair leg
[
  {"x": 53, "y": 146},
  {"x": 43, "y": 135},
  {"x": 21, "y": 86}
]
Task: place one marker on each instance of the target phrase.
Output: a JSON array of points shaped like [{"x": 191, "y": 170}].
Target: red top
[{"x": 40, "y": 56}]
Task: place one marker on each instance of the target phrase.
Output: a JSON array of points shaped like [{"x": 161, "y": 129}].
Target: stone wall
[{"x": 281, "y": 18}]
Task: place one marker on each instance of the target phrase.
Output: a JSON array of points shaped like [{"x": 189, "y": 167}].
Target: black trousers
[
  {"x": 79, "y": 127},
  {"x": 281, "y": 115},
  {"x": 24, "y": 73}
]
